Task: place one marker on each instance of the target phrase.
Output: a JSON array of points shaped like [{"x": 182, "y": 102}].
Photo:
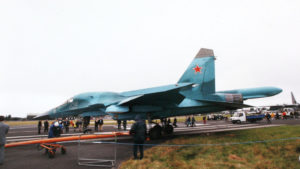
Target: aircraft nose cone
[{"x": 43, "y": 116}]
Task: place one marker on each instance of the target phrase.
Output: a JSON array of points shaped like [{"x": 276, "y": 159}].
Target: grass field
[{"x": 269, "y": 155}]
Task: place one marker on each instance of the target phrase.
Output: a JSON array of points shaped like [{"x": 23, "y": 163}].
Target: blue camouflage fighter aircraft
[{"x": 194, "y": 93}]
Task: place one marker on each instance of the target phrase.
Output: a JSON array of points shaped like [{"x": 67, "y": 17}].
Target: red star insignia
[{"x": 197, "y": 69}]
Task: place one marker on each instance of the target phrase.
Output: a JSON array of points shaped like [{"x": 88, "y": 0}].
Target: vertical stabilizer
[
  {"x": 201, "y": 72},
  {"x": 293, "y": 99}
]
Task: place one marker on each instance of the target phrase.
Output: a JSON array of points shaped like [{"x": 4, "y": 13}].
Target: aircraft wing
[{"x": 157, "y": 98}]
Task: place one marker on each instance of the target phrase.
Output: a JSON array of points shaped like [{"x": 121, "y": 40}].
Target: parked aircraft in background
[
  {"x": 194, "y": 93},
  {"x": 294, "y": 105}
]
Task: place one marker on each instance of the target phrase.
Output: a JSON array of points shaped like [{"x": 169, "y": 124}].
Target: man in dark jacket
[
  {"x": 46, "y": 126},
  {"x": 55, "y": 130},
  {"x": 124, "y": 125},
  {"x": 119, "y": 124},
  {"x": 39, "y": 126},
  {"x": 3, "y": 131},
  {"x": 193, "y": 121},
  {"x": 175, "y": 122},
  {"x": 138, "y": 131},
  {"x": 188, "y": 121},
  {"x": 96, "y": 125}
]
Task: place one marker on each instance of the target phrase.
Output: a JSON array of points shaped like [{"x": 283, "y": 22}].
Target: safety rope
[{"x": 197, "y": 145}]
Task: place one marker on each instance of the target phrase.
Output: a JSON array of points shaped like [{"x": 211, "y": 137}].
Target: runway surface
[{"x": 29, "y": 157}]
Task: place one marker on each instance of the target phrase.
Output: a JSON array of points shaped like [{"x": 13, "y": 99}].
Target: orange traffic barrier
[{"x": 62, "y": 139}]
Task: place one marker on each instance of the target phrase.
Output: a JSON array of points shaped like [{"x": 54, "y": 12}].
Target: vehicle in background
[{"x": 242, "y": 116}]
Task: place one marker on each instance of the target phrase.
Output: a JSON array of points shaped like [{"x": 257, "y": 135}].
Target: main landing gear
[{"x": 157, "y": 131}]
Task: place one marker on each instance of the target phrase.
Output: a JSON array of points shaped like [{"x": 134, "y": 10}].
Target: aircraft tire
[
  {"x": 155, "y": 132},
  {"x": 168, "y": 129}
]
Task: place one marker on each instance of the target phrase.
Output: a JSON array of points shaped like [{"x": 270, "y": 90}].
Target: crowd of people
[
  {"x": 190, "y": 121},
  {"x": 165, "y": 121},
  {"x": 80, "y": 125},
  {"x": 64, "y": 125},
  {"x": 284, "y": 115}
]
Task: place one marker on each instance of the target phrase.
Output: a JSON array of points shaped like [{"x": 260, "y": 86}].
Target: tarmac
[{"x": 29, "y": 157}]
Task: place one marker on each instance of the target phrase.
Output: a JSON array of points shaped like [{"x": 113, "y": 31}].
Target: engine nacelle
[{"x": 234, "y": 98}]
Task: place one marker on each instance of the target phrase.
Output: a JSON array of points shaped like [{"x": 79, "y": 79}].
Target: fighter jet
[{"x": 194, "y": 93}]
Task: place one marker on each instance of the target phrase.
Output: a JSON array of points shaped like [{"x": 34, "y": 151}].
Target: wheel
[
  {"x": 51, "y": 154},
  {"x": 155, "y": 132},
  {"x": 63, "y": 150},
  {"x": 168, "y": 129}
]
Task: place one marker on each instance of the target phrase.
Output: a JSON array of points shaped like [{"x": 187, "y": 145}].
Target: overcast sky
[{"x": 52, "y": 50}]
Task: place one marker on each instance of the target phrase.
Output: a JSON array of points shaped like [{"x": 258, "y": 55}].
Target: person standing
[
  {"x": 138, "y": 131},
  {"x": 175, "y": 122},
  {"x": 124, "y": 125},
  {"x": 268, "y": 116},
  {"x": 193, "y": 121},
  {"x": 169, "y": 121},
  {"x": 46, "y": 126},
  {"x": 39, "y": 126},
  {"x": 292, "y": 115},
  {"x": 204, "y": 119},
  {"x": 188, "y": 121},
  {"x": 55, "y": 130},
  {"x": 272, "y": 116},
  {"x": 72, "y": 123},
  {"x": 277, "y": 116},
  {"x": 119, "y": 124},
  {"x": 100, "y": 122},
  {"x": 67, "y": 125},
  {"x": 96, "y": 124},
  {"x": 86, "y": 122},
  {"x": 284, "y": 115},
  {"x": 3, "y": 131}
]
